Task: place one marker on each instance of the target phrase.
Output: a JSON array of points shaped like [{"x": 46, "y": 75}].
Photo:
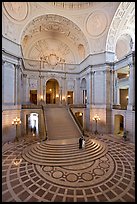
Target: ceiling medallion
[
  {"x": 16, "y": 10},
  {"x": 96, "y": 23}
]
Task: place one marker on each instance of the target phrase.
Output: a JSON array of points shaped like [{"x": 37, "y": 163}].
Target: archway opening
[
  {"x": 119, "y": 125},
  {"x": 52, "y": 91},
  {"x": 32, "y": 124}
]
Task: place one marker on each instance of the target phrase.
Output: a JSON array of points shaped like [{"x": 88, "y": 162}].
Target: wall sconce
[
  {"x": 96, "y": 118},
  {"x": 127, "y": 97},
  {"x": 80, "y": 114},
  {"x": 68, "y": 96},
  {"x": 57, "y": 95},
  {"x": 50, "y": 90},
  {"x": 41, "y": 98}
]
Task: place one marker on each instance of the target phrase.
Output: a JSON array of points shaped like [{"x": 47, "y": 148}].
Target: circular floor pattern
[
  {"x": 109, "y": 178},
  {"x": 64, "y": 154}
]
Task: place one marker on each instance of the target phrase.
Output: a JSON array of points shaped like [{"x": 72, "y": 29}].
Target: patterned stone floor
[{"x": 58, "y": 171}]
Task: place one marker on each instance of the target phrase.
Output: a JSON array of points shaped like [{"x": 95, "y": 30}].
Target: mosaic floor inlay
[{"x": 35, "y": 171}]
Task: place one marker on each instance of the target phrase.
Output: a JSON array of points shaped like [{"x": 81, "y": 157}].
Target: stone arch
[
  {"x": 123, "y": 46},
  {"x": 52, "y": 91},
  {"x": 120, "y": 24},
  {"x": 83, "y": 83},
  {"x": 55, "y": 27}
]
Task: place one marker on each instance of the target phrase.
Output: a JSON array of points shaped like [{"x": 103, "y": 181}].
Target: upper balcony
[{"x": 119, "y": 107}]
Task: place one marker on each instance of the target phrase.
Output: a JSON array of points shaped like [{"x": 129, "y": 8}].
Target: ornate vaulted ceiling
[
  {"x": 67, "y": 31},
  {"x": 54, "y": 35}
]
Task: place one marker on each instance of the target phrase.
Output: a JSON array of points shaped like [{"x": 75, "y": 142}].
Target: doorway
[
  {"x": 52, "y": 91},
  {"x": 32, "y": 123},
  {"x": 48, "y": 98},
  {"x": 70, "y": 97},
  {"x": 33, "y": 96},
  {"x": 119, "y": 125}
]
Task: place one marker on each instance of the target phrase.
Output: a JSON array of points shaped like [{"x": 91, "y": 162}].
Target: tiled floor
[{"x": 57, "y": 170}]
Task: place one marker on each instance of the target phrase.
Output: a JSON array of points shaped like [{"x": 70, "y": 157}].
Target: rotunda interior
[{"x": 68, "y": 72}]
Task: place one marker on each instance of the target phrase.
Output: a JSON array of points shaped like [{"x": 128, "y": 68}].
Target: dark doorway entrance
[
  {"x": 33, "y": 96},
  {"x": 48, "y": 98},
  {"x": 70, "y": 97}
]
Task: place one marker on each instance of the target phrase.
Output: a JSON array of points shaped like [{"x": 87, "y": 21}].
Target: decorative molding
[
  {"x": 16, "y": 10},
  {"x": 119, "y": 23},
  {"x": 60, "y": 25},
  {"x": 96, "y": 23}
]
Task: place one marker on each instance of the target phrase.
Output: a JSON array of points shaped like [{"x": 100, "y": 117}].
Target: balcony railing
[
  {"x": 77, "y": 105},
  {"x": 31, "y": 106},
  {"x": 119, "y": 107}
]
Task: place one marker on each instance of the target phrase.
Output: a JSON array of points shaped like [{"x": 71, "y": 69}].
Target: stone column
[
  {"x": 60, "y": 95},
  {"x": 115, "y": 85},
  {"x": 77, "y": 92},
  {"x": 64, "y": 91},
  {"x": 41, "y": 98},
  {"x": 131, "y": 92},
  {"x": 15, "y": 84},
  {"x": 93, "y": 88},
  {"x": 89, "y": 88},
  {"x": 18, "y": 84},
  {"x": 44, "y": 93},
  {"x": 3, "y": 66},
  {"x": 24, "y": 88}
]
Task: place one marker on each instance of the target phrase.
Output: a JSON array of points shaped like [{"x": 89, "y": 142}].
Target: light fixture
[
  {"x": 96, "y": 118},
  {"x": 127, "y": 97},
  {"x": 57, "y": 95},
  {"x": 63, "y": 97},
  {"x": 80, "y": 114},
  {"x": 16, "y": 122},
  {"x": 68, "y": 96},
  {"x": 50, "y": 90}
]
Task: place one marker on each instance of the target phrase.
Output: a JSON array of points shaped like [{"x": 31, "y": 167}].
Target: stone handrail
[{"x": 76, "y": 120}]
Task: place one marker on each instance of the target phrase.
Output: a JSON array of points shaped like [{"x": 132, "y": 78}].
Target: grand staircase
[{"x": 60, "y": 124}]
